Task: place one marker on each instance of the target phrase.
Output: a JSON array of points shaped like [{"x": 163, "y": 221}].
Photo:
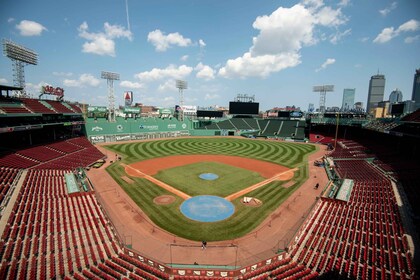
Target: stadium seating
[
  {"x": 36, "y": 106},
  {"x": 361, "y": 239},
  {"x": 67, "y": 154},
  {"x": 59, "y": 107},
  {"x": 413, "y": 117}
]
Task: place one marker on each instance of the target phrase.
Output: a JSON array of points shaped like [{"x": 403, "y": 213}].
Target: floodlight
[
  {"x": 322, "y": 95},
  {"x": 17, "y": 52},
  {"x": 110, "y": 78}
]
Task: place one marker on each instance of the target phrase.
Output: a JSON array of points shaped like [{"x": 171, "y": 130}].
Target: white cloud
[
  {"x": 384, "y": 12},
  {"x": 184, "y": 58},
  {"x": 389, "y": 33},
  {"x": 131, "y": 85},
  {"x": 327, "y": 16},
  {"x": 412, "y": 39},
  {"x": 34, "y": 88},
  {"x": 169, "y": 72},
  {"x": 313, "y": 4},
  {"x": 3, "y": 81},
  {"x": 201, "y": 43},
  {"x": 117, "y": 31},
  {"x": 204, "y": 72},
  {"x": 258, "y": 66},
  {"x": 282, "y": 35},
  {"x": 30, "y": 28},
  {"x": 364, "y": 39},
  {"x": 83, "y": 81},
  {"x": 102, "y": 43},
  {"x": 337, "y": 36},
  {"x": 9, "y": 20},
  {"x": 344, "y": 3},
  {"x": 324, "y": 65},
  {"x": 168, "y": 85},
  {"x": 162, "y": 42},
  {"x": 411, "y": 25}
]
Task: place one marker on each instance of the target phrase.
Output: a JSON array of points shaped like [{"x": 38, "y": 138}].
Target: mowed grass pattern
[
  {"x": 245, "y": 218},
  {"x": 231, "y": 179}
]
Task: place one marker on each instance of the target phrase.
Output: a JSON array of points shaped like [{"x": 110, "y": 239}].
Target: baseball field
[{"x": 160, "y": 175}]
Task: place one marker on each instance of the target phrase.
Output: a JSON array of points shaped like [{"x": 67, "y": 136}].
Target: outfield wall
[{"x": 101, "y": 130}]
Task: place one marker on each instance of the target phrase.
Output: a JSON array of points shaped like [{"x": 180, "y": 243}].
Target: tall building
[
  {"x": 376, "y": 92},
  {"x": 348, "y": 99},
  {"x": 311, "y": 108},
  {"x": 416, "y": 90},
  {"x": 396, "y": 96}
]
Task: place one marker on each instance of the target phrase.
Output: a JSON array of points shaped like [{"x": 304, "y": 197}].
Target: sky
[{"x": 273, "y": 50}]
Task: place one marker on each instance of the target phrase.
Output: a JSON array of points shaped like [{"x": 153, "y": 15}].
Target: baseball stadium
[{"x": 86, "y": 193}]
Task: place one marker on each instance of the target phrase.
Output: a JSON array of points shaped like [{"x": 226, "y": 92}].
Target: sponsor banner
[
  {"x": 128, "y": 98},
  {"x": 189, "y": 109},
  {"x": 122, "y": 137},
  {"x": 97, "y": 139},
  {"x": 97, "y": 109},
  {"x": 131, "y": 110},
  {"x": 149, "y": 127},
  {"x": 52, "y": 90},
  {"x": 138, "y": 137},
  {"x": 165, "y": 111},
  {"x": 97, "y": 128}
]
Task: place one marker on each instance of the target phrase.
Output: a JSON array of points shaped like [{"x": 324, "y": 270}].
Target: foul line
[
  {"x": 256, "y": 186},
  {"x": 160, "y": 183}
]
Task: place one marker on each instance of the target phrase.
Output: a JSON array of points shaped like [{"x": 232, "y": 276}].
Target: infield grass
[{"x": 186, "y": 178}]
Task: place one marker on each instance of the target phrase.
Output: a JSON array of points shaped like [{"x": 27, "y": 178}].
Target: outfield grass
[
  {"x": 245, "y": 218},
  {"x": 186, "y": 178}
]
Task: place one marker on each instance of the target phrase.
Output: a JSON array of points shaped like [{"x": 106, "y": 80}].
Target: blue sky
[{"x": 275, "y": 50}]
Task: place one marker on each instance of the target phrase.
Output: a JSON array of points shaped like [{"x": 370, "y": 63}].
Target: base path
[
  {"x": 167, "y": 187},
  {"x": 284, "y": 176}
]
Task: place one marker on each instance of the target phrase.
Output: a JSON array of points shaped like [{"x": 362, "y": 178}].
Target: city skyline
[{"x": 275, "y": 50}]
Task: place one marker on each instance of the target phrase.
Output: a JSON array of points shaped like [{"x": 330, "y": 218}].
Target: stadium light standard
[
  {"x": 110, "y": 78},
  {"x": 181, "y": 85},
  {"x": 20, "y": 57},
  {"x": 322, "y": 95}
]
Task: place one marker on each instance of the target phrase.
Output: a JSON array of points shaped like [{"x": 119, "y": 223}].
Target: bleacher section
[
  {"x": 36, "y": 106},
  {"x": 7, "y": 176},
  {"x": 59, "y": 107},
  {"x": 362, "y": 239},
  {"x": 266, "y": 128},
  {"x": 67, "y": 154}
]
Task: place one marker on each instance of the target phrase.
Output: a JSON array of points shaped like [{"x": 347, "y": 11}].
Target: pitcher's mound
[{"x": 164, "y": 199}]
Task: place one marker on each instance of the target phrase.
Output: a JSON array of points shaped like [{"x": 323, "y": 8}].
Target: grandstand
[
  {"x": 267, "y": 128},
  {"x": 48, "y": 232}
]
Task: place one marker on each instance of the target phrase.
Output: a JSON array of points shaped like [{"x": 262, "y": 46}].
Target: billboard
[
  {"x": 47, "y": 89},
  {"x": 397, "y": 109},
  {"x": 283, "y": 114},
  {"x": 128, "y": 98},
  {"x": 97, "y": 109},
  {"x": 209, "y": 114},
  {"x": 131, "y": 110},
  {"x": 189, "y": 109},
  {"x": 243, "y": 108}
]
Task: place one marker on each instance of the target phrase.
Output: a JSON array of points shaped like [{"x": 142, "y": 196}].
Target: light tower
[
  {"x": 181, "y": 85},
  {"x": 110, "y": 78},
  {"x": 322, "y": 95},
  {"x": 20, "y": 57}
]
